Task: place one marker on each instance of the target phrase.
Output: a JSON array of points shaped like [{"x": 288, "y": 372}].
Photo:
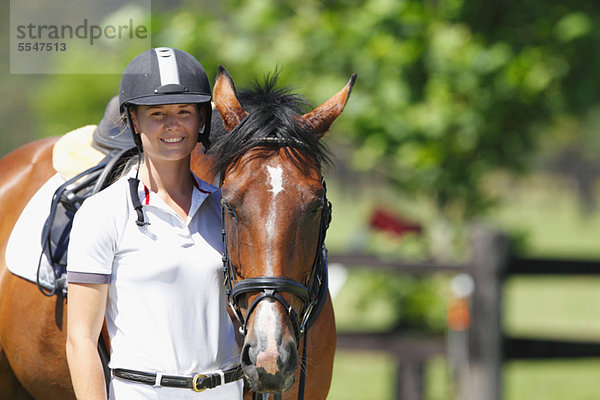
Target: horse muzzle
[{"x": 269, "y": 355}]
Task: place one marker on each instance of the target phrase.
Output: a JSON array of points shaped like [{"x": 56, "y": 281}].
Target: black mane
[{"x": 271, "y": 123}]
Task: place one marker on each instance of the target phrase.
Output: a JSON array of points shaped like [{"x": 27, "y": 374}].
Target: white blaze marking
[
  {"x": 276, "y": 180},
  {"x": 276, "y": 175},
  {"x": 266, "y": 320},
  {"x": 267, "y": 331}
]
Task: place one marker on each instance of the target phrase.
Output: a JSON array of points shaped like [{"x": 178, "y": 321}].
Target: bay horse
[
  {"x": 275, "y": 215},
  {"x": 273, "y": 236}
]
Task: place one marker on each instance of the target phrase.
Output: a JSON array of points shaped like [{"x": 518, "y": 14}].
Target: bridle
[{"x": 312, "y": 292}]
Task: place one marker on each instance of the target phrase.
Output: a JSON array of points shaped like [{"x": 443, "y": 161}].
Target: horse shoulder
[{"x": 322, "y": 341}]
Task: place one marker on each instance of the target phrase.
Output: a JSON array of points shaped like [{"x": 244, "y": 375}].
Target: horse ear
[
  {"x": 321, "y": 118},
  {"x": 226, "y": 100}
]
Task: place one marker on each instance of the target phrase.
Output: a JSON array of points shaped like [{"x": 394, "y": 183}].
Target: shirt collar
[{"x": 202, "y": 190}]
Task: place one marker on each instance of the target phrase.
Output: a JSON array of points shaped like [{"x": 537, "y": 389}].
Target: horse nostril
[
  {"x": 246, "y": 356},
  {"x": 291, "y": 358}
]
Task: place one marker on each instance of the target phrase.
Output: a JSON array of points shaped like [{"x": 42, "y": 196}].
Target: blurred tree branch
[{"x": 448, "y": 91}]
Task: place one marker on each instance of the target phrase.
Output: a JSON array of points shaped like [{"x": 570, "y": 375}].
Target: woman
[{"x": 146, "y": 253}]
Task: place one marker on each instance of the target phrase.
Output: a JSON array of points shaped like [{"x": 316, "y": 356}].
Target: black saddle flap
[
  {"x": 66, "y": 201},
  {"x": 68, "y": 198}
]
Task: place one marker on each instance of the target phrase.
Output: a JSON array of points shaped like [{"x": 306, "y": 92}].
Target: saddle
[
  {"x": 65, "y": 202},
  {"x": 68, "y": 198},
  {"x": 89, "y": 160}
]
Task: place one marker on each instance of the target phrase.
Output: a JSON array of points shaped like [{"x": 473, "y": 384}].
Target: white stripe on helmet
[{"x": 167, "y": 66}]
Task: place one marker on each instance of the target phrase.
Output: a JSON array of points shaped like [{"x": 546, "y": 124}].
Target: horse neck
[{"x": 202, "y": 165}]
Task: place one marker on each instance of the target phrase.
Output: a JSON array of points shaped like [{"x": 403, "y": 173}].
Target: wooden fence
[{"x": 491, "y": 263}]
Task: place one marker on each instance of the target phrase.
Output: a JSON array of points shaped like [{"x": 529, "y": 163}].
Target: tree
[{"x": 447, "y": 90}]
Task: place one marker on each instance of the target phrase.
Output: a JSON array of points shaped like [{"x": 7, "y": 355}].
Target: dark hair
[{"x": 272, "y": 123}]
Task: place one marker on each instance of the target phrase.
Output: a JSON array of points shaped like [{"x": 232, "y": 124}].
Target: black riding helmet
[{"x": 165, "y": 76}]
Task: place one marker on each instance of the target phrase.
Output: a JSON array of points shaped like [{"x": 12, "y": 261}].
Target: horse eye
[
  {"x": 231, "y": 211},
  {"x": 316, "y": 207}
]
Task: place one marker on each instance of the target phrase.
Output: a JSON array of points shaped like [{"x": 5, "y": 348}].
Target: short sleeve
[{"x": 92, "y": 243}]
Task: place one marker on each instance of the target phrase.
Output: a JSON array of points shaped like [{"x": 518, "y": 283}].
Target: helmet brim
[{"x": 174, "y": 98}]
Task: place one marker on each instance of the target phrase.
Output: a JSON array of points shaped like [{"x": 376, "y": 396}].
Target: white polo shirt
[{"x": 166, "y": 308}]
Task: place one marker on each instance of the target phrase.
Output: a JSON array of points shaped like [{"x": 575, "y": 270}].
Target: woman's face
[{"x": 169, "y": 132}]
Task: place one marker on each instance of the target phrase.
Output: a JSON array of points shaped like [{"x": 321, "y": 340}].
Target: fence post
[
  {"x": 409, "y": 379},
  {"x": 490, "y": 253}
]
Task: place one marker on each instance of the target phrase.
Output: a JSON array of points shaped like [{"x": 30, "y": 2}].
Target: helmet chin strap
[
  {"x": 204, "y": 134},
  {"x": 134, "y": 183},
  {"x": 204, "y": 139},
  {"x": 136, "y": 138}
]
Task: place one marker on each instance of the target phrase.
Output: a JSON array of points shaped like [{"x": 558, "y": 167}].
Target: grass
[
  {"x": 553, "y": 307},
  {"x": 364, "y": 376},
  {"x": 545, "y": 212},
  {"x": 549, "y": 380}
]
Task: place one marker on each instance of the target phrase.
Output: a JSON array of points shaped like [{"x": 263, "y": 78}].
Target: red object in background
[{"x": 383, "y": 220}]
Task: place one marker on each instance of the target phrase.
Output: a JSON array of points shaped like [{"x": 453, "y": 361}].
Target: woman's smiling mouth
[{"x": 171, "y": 140}]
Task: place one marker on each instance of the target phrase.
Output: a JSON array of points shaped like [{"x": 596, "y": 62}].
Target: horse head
[{"x": 275, "y": 214}]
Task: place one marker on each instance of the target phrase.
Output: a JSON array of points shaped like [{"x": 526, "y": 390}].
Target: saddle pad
[
  {"x": 74, "y": 152},
  {"x": 24, "y": 246}
]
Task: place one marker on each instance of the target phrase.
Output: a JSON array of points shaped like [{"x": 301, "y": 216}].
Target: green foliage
[
  {"x": 447, "y": 91},
  {"x": 383, "y": 301},
  {"x": 66, "y": 101},
  {"x": 417, "y": 301}
]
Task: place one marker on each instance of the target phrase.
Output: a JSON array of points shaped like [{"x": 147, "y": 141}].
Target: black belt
[{"x": 197, "y": 383}]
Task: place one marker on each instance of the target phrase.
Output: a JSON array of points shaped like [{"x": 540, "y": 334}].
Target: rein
[{"x": 312, "y": 293}]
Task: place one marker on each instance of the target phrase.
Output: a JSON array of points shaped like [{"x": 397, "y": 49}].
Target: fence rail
[
  {"x": 519, "y": 349},
  {"x": 541, "y": 266},
  {"x": 382, "y": 264},
  {"x": 418, "y": 348}
]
